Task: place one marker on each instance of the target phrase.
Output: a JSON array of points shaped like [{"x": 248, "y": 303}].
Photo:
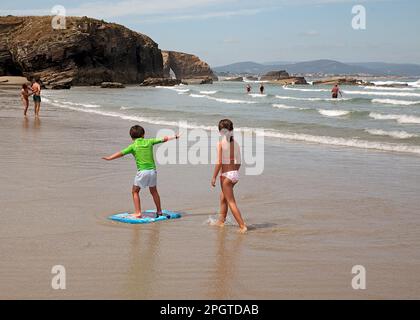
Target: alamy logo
[
  {"x": 359, "y": 19},
  {"x": 199, "y": 146},
  {"x": 58, "y": 281},
  {"x": 359, "y": 280},
  {"x": 58, "y": 22}
]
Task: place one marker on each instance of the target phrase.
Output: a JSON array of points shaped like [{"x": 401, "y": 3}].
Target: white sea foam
[
  {"x": 403, "y": 119},
  {"x": 415, "y": 84},
  {"x": 175, "y": 88},
  {"x": 326, "y": 140},
  {"x": 254, "y": 81},
  {"x": 343, "y": 142},
  {"x": 378, "y": 93},
  {"x": 388, "y": 89},
  {"x": 383, "y": 83},
  {"x": 306, "y": 90},
  {"x": 333, "y": 113},
  {"x": 231, "y": 101},
  {"x": 223, "y": 100},
  {"x": 396, "y": 102},
  {"x": 208, "y": 92},
  {"x": 392, "y": 134},
  {"x": 312, "y": 99},
  {"x": 81, "y": 104},
  {"x": 283, "y": 106},
  {"x": 257, "y": 95}
]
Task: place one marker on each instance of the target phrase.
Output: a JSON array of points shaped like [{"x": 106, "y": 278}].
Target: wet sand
[{"x": 315, "y": 213}]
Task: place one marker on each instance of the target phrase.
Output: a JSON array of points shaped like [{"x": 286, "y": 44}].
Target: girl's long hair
[{"x": 227, "y": 125}]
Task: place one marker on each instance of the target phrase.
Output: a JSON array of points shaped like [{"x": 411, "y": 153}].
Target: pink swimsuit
[{"x": 232, "y": 176}]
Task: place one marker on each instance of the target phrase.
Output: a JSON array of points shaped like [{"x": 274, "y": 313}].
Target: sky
[{"x": 227, "y": 31}]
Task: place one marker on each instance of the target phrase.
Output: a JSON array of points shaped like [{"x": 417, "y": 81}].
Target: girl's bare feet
[
  {"x": 243, "y": 229},
  {"x": 219, "y": 223}
]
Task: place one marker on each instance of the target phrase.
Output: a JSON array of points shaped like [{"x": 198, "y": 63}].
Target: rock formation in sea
[
  {"x": 166, "y": 82},
  {"x": 87, "y": 52},
  {"x": 283, "y": 78},
  {"x": 275, "y": 75},
  {"x": 233, "y": 79},
  {"x": 112, "y": 85},
  {"x": 341, "y": 81},
  {"x": 187, "y": 67}
]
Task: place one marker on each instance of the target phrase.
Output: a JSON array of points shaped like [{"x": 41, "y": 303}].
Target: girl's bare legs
[
  {"x": 223, "y": 211},
  {"x": 227, "y": 188},
  {"x": 25, "y": 105},
  {"x": 136, "y": 199},
  {"x": 156, "y": 199}
]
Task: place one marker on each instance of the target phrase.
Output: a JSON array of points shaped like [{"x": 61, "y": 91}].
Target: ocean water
[{"x": 371, "y": 118}]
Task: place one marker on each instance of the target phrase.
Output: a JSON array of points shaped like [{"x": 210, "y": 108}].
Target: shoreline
[{"x": 315, "y": 213}]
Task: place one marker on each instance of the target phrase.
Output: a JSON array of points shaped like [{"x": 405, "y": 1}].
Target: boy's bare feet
[
  {"x": 243, "y": 229},
  {"x": 135, "y": 216}
]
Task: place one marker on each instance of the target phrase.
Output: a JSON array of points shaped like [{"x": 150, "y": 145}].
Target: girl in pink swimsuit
[{"x": 229, "y": 162}]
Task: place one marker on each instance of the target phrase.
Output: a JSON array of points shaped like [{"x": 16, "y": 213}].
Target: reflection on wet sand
[
  {"x": 226, "y": 265},
  {"x": 26, "y": 123},
  {"x": 37, "y": 123},
  {"x": 141, "y": 273}
]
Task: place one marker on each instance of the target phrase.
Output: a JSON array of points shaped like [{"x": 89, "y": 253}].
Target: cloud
[
  {"x": 231, "y": 41},
  {"x": 310, "y": 33},
  {"x": 202, "y": 16},
  {"x": 120, "y": 8},
  {"x": 141, "y": 7},
  {"x": 173, "y": 10}
]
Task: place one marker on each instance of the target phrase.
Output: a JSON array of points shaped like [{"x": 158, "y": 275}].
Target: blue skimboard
[{"x": 150, "y": 217}]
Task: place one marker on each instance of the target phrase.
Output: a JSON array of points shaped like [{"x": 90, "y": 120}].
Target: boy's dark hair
[
  {"x": 226, "y": 124},
  {"x": 137, "y": 132}
]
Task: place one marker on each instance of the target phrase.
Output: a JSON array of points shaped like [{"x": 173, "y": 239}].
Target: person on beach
[
  {"x": 336, "y": 91},
  {"x": 262, "y": 88},
  {"x": 228, "y": 164},
  {"x": 146, "y": 177},
  {"x": 24, "y": 95},
  {"x": 248, "y": 88},
  {"x": 36, "y": 91}
]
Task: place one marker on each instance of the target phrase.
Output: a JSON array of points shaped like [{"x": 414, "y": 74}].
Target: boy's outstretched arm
[
  {"x": 114, "y": 156},
  {"x": 175, "y": 137}
]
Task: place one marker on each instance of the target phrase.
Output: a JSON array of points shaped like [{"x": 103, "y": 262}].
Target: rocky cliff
[
  {"x": 187, "y": 67},
  {"x": 87, "y": 52}
]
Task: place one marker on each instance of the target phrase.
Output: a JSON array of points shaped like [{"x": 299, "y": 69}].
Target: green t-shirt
[{"x": 142, "y": 150}]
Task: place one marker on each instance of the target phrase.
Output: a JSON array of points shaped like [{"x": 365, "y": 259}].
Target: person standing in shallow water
[
  {"x": 336, "y": 91},
  {"x": 36, "y": 91},
  {"x": 262, "y": 88},
  {"x": 248, "y": 88},
  {"x": 24, "y": 95}
]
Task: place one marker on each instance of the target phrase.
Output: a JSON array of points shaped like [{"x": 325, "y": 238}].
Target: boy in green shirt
[{"x": 146, "y": 177}]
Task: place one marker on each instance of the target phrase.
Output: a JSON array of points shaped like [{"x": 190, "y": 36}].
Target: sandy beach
[{"x": 315, "y": 213}]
